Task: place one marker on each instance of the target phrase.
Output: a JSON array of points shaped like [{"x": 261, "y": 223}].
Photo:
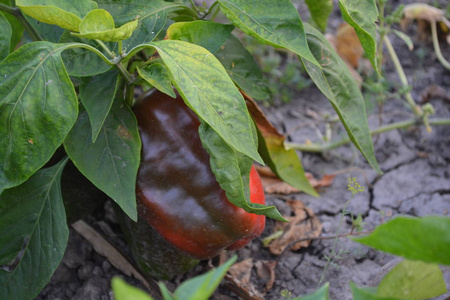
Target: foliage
[
  {"x": 197, "y": 288},
  {"x": 75, "y": 84}
]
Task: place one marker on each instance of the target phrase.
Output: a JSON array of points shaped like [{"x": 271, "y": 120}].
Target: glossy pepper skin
[{"x": 177, "y": 193}]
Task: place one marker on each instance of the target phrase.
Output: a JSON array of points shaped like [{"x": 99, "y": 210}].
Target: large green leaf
[
  {"x": 97, "y": 96},
  {"x": 157, "y": 75},
  {"x": 64, "y": 13},
  {"x": 277, "y": 24},
  {"x": 209, "y": 35},
  {"x": 81, "y": 62},
  {"x": 38, "y": 106},
  {"x": 320, "y": 294},
  {"x": 127, "y": 10},
  {"x": 5, "y": 36},
  {"x": 203, "y": 286},
  {"x": 33, "y": 234},
  {"x": 367, "y": 293},
  {"x": 231, "y": 170},
  {"x": 99, "y": 24},
  {"x": 125, "y": 291},
  {"x": 151, "y": 16},
  {"x": 362, "y": 15},
  {"x": 337, "y": 84},
  {"x": 414, "y": 280},
  {"x": 111, "y": 163},
  {"x": 320, "y": 11},
  {"x": 47, "y": 32},
  {"x": 426, "y": 239},
  {"x": 243, "y": 69},
  {"x": 206, "y": 88},
  {"x": 149, "y": 26},
  {"x": 17, "y": 33},
  {"x": 217, "y": 39}
]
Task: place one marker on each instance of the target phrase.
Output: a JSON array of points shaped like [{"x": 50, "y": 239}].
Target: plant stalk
[
  {"x": 401, "y": 73},
  {"x": 15, "y": 11},
  {"x": 12, "y": 10},
  {"x": 325, "y": 147},
  {"x": 437, "y": 48}
]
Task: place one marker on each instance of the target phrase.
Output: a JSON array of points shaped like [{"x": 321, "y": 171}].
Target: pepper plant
[{"x": 71, "y": 71}]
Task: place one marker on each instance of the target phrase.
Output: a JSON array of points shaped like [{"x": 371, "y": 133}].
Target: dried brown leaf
[
  {"x": 266, "y": 271},
  {"x": 348, "y": 45},
  {"x": 304, "y": 224},
  {"x": 274, "y": 185},
  {"x": 239, "y": 276}
]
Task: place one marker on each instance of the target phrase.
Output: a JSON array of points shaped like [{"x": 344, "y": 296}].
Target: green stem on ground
[
  {"x": 403, "y": 79},
  {"x": 329, "y": 146},
  {"x": 333, "y": 254},
  {"x": 437, "y": 48}
]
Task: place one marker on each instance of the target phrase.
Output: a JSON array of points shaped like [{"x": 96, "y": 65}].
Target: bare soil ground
[{"x": 416, "y": 181}]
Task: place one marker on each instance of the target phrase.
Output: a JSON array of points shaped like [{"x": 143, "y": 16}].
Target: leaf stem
[
  {"x": 116, "y": 60},
  {"x": 90, "y": 48},
  {"x": 328, "y": 146},
  {"x": 15, "y": 11},
  {"x": 401, "y": 73},
  {"x": 9, "y": 9},
  {"x": 213, "y": 8},
  {"x": 437, "y": 48}
]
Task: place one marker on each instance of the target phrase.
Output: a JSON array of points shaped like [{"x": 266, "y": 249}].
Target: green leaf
[
  {"x": 237, "y": 61},
  {"x": 426, "y": 239},
  {"x": 362, "y": 15},
  {"x": 320, "y": 10},
  {"x": 232, "y": 173},
  {"x": 99, "y": 24},
  {"x": 5, "y": 36},
  {"x": 320, "y": 294},
  {"x": 17, "y": 33},
  {"x": 97, "y": 96},
  {"x": 209, "y": 35},
  {"x": 278, "y": 25},
  {"x": 151, "y": 16},
  {"x": 111, "y": 163},
  {"x": 366, "y": 293},
  {"x": 413, "y": 280},
  {"x": 284, "y": 163},
  {"x": 202, "y": 287},
  {"x": 81, "y": 62},
  {"x": 206, "y": 88},
  {"x": 149, "y": 26},
  {"x": 125, "y": 291},
  {"x": 49, "y": 33},
  {"x": 337, "y": 84},
  {"x": 157, "y": 75},
  {"x": 33, "y": 234},
  {"x": 405, "y": 38},
  {"x": 64, "y": 13},
  {"x": 243, "y": 69},
  {"x": 127, "y": 10},
  {"x": 38, "y": 106}
]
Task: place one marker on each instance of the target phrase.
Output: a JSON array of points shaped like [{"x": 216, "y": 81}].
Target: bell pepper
[{"x": 177, "y": 193}]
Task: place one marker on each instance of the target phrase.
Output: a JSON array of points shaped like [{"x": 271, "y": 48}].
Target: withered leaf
[{"x": 304, "y": 224}]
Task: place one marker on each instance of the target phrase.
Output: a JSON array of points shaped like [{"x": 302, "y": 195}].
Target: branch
[{"x": 325, "y": 147}]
